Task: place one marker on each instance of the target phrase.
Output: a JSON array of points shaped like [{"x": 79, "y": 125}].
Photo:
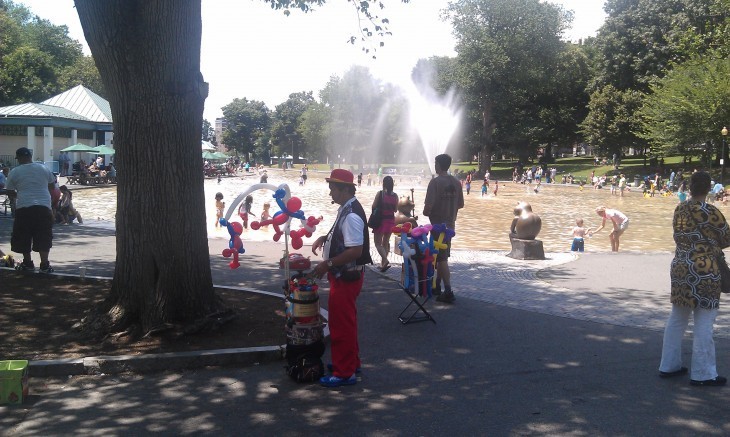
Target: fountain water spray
[{"x": 435, "y": 118}]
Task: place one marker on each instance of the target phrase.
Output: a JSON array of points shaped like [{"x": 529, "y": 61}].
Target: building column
[
  {"x": 46, "y": 154},
  {"x": 109, "y": 139},
  {"x": 74, "y": 137},
  {"x": 31, "y": 138}
]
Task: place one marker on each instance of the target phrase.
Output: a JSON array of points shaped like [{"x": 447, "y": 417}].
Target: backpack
[{"x": 304, "y": 362}]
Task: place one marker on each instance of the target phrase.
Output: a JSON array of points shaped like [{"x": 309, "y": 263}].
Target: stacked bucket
[{"x": 304, "y": 329}]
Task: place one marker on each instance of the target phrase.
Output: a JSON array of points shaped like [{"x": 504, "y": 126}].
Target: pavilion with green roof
[{"x": 76, "y": 116}]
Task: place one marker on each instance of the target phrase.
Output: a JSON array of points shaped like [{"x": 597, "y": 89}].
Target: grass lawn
[{"x": 580, "y": 167}]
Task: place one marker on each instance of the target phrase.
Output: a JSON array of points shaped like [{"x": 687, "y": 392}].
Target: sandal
[{"x": 385, "y": 268}]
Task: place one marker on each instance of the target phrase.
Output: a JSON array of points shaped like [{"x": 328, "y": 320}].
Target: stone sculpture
[
  {"x": 405, "y": 212},
  {"x": 526, "y": 224},
  {"x": 525, "y": 227}
]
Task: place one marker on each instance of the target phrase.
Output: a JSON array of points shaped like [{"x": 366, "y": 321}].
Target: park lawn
[{"x": 580, "y": 167}]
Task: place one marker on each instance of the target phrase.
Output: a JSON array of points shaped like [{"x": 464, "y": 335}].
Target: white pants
[{"x": 703, "y": 346}]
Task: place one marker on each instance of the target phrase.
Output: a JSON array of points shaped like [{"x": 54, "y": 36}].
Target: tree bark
[
  {"x": 148, "y": 55},
  {"x": 488, "y": 126}
]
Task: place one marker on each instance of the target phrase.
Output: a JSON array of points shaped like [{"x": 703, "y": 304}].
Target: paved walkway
[
  {"x": 625, "y": 289},
  {"x": 554, "y": 347}
]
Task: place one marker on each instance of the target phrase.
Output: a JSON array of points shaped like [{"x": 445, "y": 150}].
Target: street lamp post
[{"x": 722, "y": 158}]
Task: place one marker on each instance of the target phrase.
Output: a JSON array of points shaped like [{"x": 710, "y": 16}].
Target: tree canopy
[
  {"x": 39, "y": 59},
  {"x": 285, "y": 135},
  {"x": 247, "y": 122},
  {"x": 508, "y": 50},
  {"x": 688, "y": 107}
]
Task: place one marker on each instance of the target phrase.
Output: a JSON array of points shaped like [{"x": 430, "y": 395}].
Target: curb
[{"x": 149, "y": 363}]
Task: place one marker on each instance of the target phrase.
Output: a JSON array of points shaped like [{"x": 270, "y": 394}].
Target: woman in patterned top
[{"x": 700, "y": 232}]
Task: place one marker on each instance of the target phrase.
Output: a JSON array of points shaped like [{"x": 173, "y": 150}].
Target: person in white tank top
[{"x": 620, "y": 224}]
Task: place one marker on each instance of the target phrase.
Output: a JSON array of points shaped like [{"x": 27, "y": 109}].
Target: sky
[{"x": 251, "y": 51}]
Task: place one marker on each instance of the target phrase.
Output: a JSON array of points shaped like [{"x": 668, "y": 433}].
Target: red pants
[{"x": 343, "y": 325}]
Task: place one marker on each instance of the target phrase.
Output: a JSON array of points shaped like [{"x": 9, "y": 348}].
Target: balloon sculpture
[
  {"x": 287, "y": 211},
  {"x": 419, "y": 247},
  {"x": 425, "y": 257},
  {"x": 445, "y": 235},
  {"x": 235, "y": 245},
  {"x": 307, "y": 230},
  {"x": 280, "y": 221}
]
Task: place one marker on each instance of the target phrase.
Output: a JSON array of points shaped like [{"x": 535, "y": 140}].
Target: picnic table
[{"x": 84, "y": 179}]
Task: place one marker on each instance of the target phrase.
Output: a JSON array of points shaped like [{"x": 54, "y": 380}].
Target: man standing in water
[{"x": 444, "y": 198}]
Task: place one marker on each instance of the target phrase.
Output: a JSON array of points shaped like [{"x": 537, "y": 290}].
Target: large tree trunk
[
  {"x": 488, "y": 126},
  {"x": 148, "y": 55}
]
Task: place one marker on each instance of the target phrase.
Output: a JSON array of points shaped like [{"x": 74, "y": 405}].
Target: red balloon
[
  {"x": 297, "y": 243},
  {"x": 294, "y": 204},
  {"x": 280, "y": 219}
]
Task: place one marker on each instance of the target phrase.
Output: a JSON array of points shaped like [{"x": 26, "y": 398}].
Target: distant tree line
[
  {"x": 525, "y": 89},
  {"x": 653, "y": 80}
]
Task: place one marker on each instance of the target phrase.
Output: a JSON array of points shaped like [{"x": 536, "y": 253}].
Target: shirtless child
[{"x": 578, "y": 233}]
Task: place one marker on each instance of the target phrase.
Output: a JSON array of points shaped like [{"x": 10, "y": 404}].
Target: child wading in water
[
  {"x": 245, "y": 210},
  {"x": 265, "y": 214},
  {"x": 484, "y": 188},
  {"x": 578, "y": 233},
  {"x": 220, "y": 205}
]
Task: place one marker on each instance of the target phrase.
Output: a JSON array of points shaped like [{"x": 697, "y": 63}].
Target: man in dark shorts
[
  {"x": 444, "y": 198},
  {"x": 31, "y": 184}
]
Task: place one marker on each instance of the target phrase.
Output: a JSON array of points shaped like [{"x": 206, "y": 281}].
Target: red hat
[{"x": 341, "y": 176}]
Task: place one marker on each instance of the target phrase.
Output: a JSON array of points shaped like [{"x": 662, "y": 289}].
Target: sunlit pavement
[{"x": 625, "y": 289}]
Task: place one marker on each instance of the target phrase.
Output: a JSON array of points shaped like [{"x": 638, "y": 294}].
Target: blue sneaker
[
  {"x": 357, "y": 371},
  {"x": 335, "y": 381}
]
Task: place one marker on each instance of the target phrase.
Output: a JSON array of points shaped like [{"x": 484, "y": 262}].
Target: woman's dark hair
[
  {"x": 699, "y": 183},
  {"x": 388, "y": 184}
]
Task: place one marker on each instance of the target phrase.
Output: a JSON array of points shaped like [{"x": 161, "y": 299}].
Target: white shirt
[
  {"x": 616, "y": 216},
  {"x": 352, "y": 227},
  {"x": 31, "y": 181}
]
